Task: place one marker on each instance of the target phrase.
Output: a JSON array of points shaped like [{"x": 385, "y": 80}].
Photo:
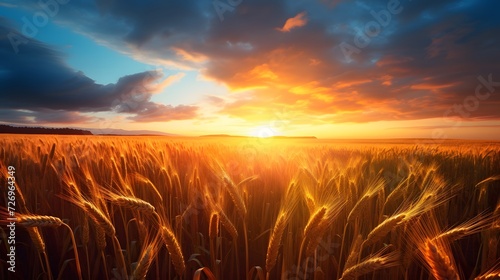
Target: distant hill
[
  {"x": 223, "y": 135},
  {"x": 79, "y": 131},
  {"x": 113, "y": 131},
  {"x": 272, "y": 137},
  {"x": 294, "y": 137},
  {"x": 42, "y": 130}
]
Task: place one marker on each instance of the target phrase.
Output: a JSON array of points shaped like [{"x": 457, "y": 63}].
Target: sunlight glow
[{"x": 263, "y": 132}]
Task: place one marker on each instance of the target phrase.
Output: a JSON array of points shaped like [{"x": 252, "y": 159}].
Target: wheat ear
[
  {"x": 358, "y": 207},
  {"x": 85, "y": 231},
  {"x": 99, "y": 218},
  {"x": 31, "y": 221},
  {"x": 134, "y": 204},
  {"x": 315, "y": 236},
  {"x": 228, "y": 225},
  {"x": 474, "y": 225},
  {"x": 213, "y": 227},
  {"x": 314, "y": 221},
  {"x": 274, "y": 242},
  {"x": 370, "y": 265},
  {"x": 39, "y": 221},
  {"x": 353, "y": 255},
  {"x": 311, "y": 205},
  {"x": 383, "y": 229},
  {"x": 37, "y": 239},
  {"x": 489, "y": 276},
  {"x": 439, "y": 262},
  {"x": 174, "y": 250},
  {"x": 144, "y": 263},
  {"x": 236, "y": 196},
  {"x": 100, "y": 235}
]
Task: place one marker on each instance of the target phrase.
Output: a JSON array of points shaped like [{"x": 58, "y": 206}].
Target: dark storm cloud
[
  {"x": 424, "y": 59},
  {"x": 42, "y": 116},
  {"x": 37, "y": 86}
]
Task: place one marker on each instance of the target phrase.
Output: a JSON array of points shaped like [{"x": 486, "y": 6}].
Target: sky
[{"x": 326, "y": 68}]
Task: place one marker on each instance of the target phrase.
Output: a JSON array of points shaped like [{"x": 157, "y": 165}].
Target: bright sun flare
[{"x": 263, "y": 132}]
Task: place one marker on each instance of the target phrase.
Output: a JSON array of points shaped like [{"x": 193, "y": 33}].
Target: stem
[
  {"x": 213, "y": 254},
  {"x": 300, "y": 254},
  {"x": 88, "y": 262},
  {"x": 341, "y": 250},
  {"x": 120, "y": 260},
  {"x": 103, "y": 257},
  {"x": 237, "y": 258},
  {"x": 246, "y": 248},
  {"x": 49, "y": 272},
  {"x": 75, "y": 250}
]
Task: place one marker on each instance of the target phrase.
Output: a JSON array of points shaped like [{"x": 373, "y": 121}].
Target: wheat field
[{"x": 108, "y": 207}]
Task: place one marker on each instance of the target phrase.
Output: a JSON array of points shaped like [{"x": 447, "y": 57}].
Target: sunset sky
[{"x": 330, "y": 68}]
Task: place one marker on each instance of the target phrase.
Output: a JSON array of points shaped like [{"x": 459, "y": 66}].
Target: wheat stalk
[
  {"x": 274, "y": 242},
  {"x": 37, "y": 239},
  {"x": 358, "y": 207},
  {"x": 246, "y": 180},
  {"x": 489, "y": 276},
  {"x": 100, "y": 237},
  {"x": 439, "y": 262},
  {"x": 384, "y": 228},
  {"x": 228, "y": 225},
  {"x": 311, "y": 205},
  {"x": 134, "y": 204},
  {"x": 370, "y": 265},
  {"x": 314, "y": 221},
  {"x": 454, "y": 234},
  {"x": 213, "y": 228},
  {"x": 315, "y": 236},
  {"x": 174, "y": 250},
  {"x": 144, "y": 263},
  {"x": 85, "y": 231},
  {"x": 123, "y": 165},
  {"x": 27, "y": 220},
  {"x": 99, "y": 218},
  {"x": 353, "y": 255},
  {"x": 32, "y": 221},
  {"x": 235, "y": 196},
  {"x": 471, "y": 226}
]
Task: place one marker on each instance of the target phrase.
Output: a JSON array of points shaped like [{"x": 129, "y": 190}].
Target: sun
[{"x": 263, "y": 132}]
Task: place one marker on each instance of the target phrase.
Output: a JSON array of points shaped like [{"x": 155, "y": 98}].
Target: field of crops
[{"x": 93, "y": 207}]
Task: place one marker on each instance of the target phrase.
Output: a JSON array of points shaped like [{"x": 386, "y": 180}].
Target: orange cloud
[
  {"x": 386, "y": 80},
  {"x": 189, "y": 56},
  {"x": 347, "y": 84},
  {"x": 297, "y": 21},
  {"x": 431, "y": 87},
  {"x": 159, "y": 87},
  {"x": 309, "y": 88},
  {"x": 263, "y": 72}
]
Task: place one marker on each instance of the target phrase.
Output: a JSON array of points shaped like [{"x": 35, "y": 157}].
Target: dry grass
[{"x": 166, "y": 208}]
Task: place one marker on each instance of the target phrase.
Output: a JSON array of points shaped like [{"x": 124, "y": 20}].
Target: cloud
[
  {"x": 215, "y": 100},
  {"x": 43, "y": 117},
  {"x": 297, "y": 21},
  {"x": 153, "y": 112},
  {"x": 38, "y": 86},
  {"x": 425, "y": 60}
]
